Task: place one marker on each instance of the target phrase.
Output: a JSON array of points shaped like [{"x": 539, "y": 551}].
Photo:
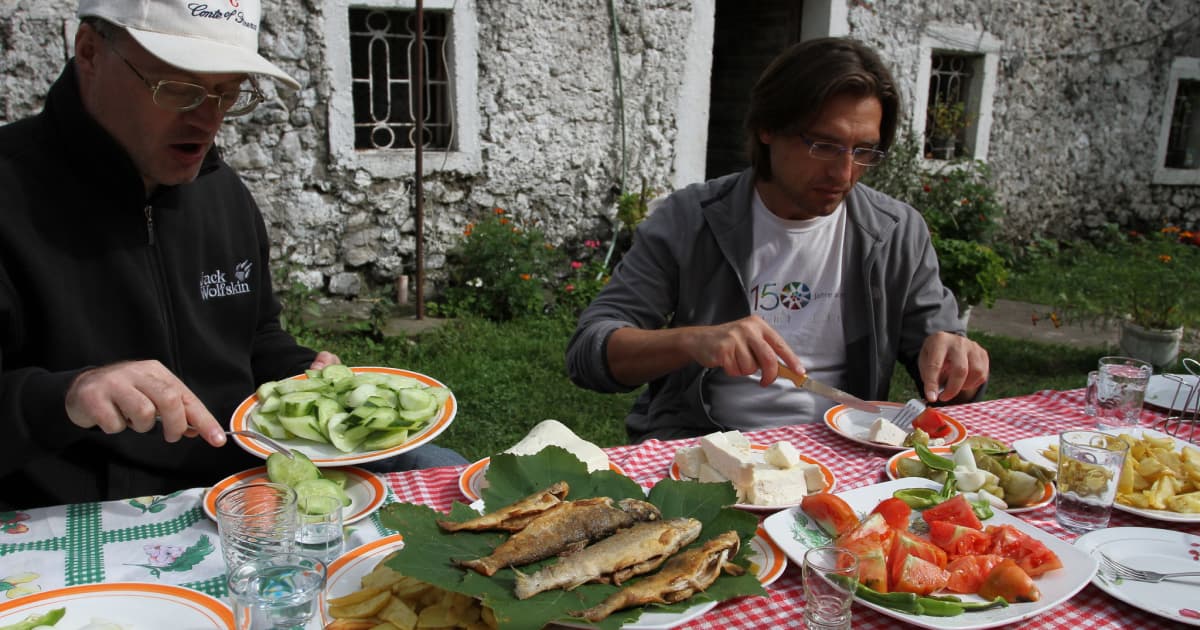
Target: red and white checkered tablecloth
[{"x": 854, "y": 465}]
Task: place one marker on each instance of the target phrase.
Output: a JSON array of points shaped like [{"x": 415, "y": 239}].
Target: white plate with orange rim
[
  {"x": 757, "y": 451},
  {"x": 365, "y": 489},
  {"x": 128, "y": 604},
  {"x": 345, "y": 576},
  {"x": 855, "y": 425},
  {"x": 473, "y": 479},
  {"x": 325, "y": 454},
  {"x": 893, "y": 472}
]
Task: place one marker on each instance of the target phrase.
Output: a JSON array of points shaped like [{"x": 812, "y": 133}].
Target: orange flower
[
  {"x": 1166, "y": 258},
  {"x": 1055, "y": 320},
  {"x": 503, "y": 221},
  {"x": 525, "y": 276},
  {"x": 499, "y": 210},
  {"x": 1170, "y": 229}
]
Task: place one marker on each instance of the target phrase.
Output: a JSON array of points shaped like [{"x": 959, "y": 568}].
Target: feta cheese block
[
  {"x": 777, "y": 486},
  {"x": 884, "y": 432},
  {"x": 689, "y": 459},
  {"x": 708, "y": 474},
  {"x": 814, "y": 479},
  {"x": 555, "y": 433},
  {"x": 735, "y": 462},
  {"x": 782, "y": 455}
]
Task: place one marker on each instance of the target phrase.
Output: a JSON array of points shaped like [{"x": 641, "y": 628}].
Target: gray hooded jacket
[{"x": 687, "y": 267}]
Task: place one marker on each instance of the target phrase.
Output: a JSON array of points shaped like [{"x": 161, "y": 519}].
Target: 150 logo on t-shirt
[{"x": 769, "y": 296}]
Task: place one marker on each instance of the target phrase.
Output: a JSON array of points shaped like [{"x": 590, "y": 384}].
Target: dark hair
[{"x": 797, "y": 84}]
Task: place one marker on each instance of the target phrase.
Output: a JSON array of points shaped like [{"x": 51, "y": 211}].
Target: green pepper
[
  {"x": 932, "y": 460},
  {"x": 47, "y": 619},
  {"x": 918, "y": 498},
  {"x": 913, "y": 604},
  {"x": 938, "y": 607},
  {"x": 903, "y": 602},
  {"x": 999, "y": 602},
  {"x": 982, "y": 509}
]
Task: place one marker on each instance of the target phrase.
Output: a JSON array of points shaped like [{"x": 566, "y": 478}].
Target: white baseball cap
[{"x": 219, "y": 36}]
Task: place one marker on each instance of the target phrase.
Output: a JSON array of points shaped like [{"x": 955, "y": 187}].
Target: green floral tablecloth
[{"x": 159, "y": 539}]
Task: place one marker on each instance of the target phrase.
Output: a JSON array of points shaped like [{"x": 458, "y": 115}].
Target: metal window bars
[{"x": 1183, "y": 415}]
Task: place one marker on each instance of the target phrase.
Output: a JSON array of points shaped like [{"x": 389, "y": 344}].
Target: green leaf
[{"x": 429, "y": 553}]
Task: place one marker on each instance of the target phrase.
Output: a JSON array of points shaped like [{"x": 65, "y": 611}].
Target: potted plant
[
  {"x": 1146, "y": 282},
  {"x": 946, "y": 121}
]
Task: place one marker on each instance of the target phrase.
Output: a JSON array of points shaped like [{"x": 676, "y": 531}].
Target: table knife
[{"x": 821, "y": 389}]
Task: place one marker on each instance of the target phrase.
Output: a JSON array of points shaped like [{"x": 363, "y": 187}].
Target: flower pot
[{"x": 1154, "y": 346}]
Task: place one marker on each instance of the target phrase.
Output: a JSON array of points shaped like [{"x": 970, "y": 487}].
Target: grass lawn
[{"x": 507, "y": 377}]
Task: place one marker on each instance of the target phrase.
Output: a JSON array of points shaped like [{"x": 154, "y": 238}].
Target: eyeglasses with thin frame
[
  {"x": 181, "y": 96},
  {"x": 862, "y": 156}
]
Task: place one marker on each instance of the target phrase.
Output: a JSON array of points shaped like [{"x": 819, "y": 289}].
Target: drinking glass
[
  {"x": 1089, "y": 467},
  {"x": 256, "y": 519},
  {"x": 830, "y": 575},
  {"x": 276, "y": 592},
  {"x": 1089, "y": 394},
  {"x": 320, "y": 532},
  {"x": 1120, "y": 391}
]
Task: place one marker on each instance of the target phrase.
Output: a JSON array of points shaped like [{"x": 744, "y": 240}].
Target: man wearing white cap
[{"x": 135, "y": 288}]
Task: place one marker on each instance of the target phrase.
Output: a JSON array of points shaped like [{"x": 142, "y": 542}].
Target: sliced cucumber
[
  {"x": 337, "y": 372},
  {"x": 418, "y": 415},
  {"x": 299, "y": 385},
  {"x": 416, "y": 399},
  {"x": 281, "y": 469},
  {"x": 380, "y": 440},
  {"x": 266, "y": 390},
  {"x": 268, "y": 424},
  {"x": 270, "y": 404},
  {"x": 360, "y": 395},
  {"x": 303, "y": 426},
  {"x": 318, "y": 487},
  {"x": 347, "y": 432},
  {"x": 340, "y": 477},
  {"x": 298, "y": 403}
]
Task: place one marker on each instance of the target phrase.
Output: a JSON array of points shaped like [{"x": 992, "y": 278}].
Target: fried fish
[
  {"x": 632, "y": 551},
  {"x": 564, "y": 528},
  {"x": 515, "y": 517},
  {"x": 684, "y": 575}
]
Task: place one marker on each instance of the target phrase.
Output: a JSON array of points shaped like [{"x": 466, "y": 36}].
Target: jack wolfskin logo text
[{"x": 216, "y": 285}]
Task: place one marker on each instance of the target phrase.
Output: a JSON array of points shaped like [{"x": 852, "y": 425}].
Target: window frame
[
  {"x": 1182, "y": 69},
  {"x": 981, "y": 93},
  {"x": 463, "y": 69}
]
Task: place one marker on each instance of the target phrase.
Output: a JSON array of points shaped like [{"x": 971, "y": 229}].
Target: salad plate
[
  {"x": 345, "y": 575},
  {"x": 795, "y": 533},
  {"x": 365, "y": 489},
  {"x": 473, "y": 478},
  {"x": 893, "y": 473},
  {"x": 757, "y": 451},
  {"x": 326, "y": 454},
  {"x": 855, "y": 425},
  {"x": 128, "y": 604},
  {"x": 1160, "y": 550},
  {"x": 1031, "y": 449}
]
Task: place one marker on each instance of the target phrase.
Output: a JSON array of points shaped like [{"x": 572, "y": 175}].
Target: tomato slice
[
  {"x": 872, "y": 563},
  {"x": 967, "y": 573},
  {"x": 957, "y": 540},
  {"x": 1009, "y": 581},
  {"x": 831, "y": 513},
  {"x": 919, "y": 576},
  {"x": 954, "y": 510},
  {"x": 895, "y": 512},
  {"x": 874, "y": 527},
  {"x": 1029, "y": 553},
  {"x": 934, "y": 423}
]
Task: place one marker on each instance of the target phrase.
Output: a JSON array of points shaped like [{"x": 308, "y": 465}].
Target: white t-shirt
[{"x": 795, "y": 284}]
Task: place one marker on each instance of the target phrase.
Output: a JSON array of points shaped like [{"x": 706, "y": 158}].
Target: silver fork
[
  {"x": 1139, "y": 575},
  {"x": 254, "y": 435},
  {"x": 908, "y": 413}
]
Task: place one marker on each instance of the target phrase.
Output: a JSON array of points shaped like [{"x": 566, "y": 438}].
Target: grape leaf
[{"x": 429, "y": 552}]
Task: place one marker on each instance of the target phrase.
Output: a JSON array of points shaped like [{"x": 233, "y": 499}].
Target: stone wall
[{"x": 1077, "y": 112}]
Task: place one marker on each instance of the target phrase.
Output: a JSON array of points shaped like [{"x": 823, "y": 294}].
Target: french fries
[
  {"x": 1155, "y": 475},
  {"x": 391, "y": 601}
]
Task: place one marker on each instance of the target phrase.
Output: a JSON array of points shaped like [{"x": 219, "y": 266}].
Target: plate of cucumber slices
[
  {"x": 361, "y": 490},
  {"x": 342, "y": 416}
]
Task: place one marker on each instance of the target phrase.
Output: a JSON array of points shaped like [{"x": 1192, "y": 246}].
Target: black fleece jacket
[{"x": 92, "y": 272}]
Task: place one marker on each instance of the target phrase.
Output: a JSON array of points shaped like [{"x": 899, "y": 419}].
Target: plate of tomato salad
[{"x": 903, "y": 550}]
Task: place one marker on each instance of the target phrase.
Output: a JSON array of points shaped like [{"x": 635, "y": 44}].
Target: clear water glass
[
  {"x": 255, "y": 520},
  {"x": 280, "y": 592},
  {"x": 1089, "y": 468},
  {"x": 829, "y": 576},
  {"x": 320, "y": 534},
  {"x": 1120, "y": 391},
  {"x": 1089, "y": 394}
]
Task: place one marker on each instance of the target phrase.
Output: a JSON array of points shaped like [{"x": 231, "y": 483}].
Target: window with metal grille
[
  {"x": 1183, "y": 143},
  {"x": 948, "y": 112},
  {"x": 383, "y": 58}
]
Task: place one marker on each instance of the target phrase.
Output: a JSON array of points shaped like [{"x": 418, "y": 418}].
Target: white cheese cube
[
  {"x": 782, "y": 455},
  {"x": 737, "y": 439},
  {"x": 814, "y": 479},
  {"x": 777, "y": 486},
  {"x": 708, "y": 474},
  {"x": 735, "y": 463},
  {"x": 689, "y": 459},
  {"x": 884, "y": 432}
]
